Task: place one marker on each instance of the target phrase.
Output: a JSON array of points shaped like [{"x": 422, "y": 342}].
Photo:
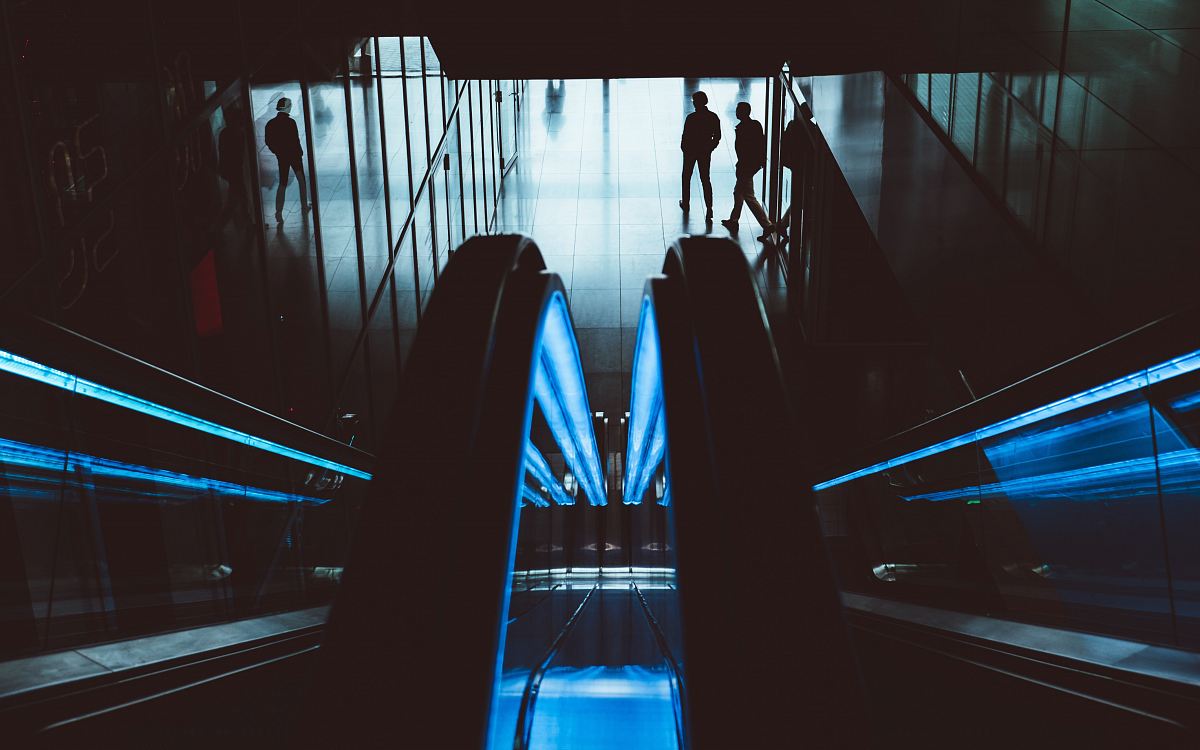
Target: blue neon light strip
[
  {"x": 1136, "y": 381},
  {"x": 26, "y": 368},
  {"x": 74, "y": 465},
  {"x": 647, "y": 420},
  {"x": 533, "y": 497},
  {"x": 538, "y": 467},
  {"x": 559, "y": 390},
  {"x": 1175, "y": 471}
]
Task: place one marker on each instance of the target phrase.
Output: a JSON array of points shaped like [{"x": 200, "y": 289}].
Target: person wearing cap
[
  {"x": 283, "y": 139},
  {"x": 701, "y": 134}
]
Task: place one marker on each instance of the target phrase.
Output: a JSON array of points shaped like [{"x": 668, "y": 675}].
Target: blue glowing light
[
  {"x": 647, "y": 420},
  {"x": 539, "y": 468},
  {"x": 533, "y": 497},
  {"x": 26, "y": 368},
  {"x": 629, "y": 706},
  {"x": 559, "y": 390},
  {"x": 52, "y": 466},
  {"x": 1133, "y": 382}
]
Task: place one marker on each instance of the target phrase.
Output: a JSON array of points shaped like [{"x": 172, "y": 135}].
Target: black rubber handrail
[
  {"x": 443, "y": 498},
  {"x": 677, "y": 684},
  {"x": 745, "y": 520},
  {"x": 534, "y": 683}
]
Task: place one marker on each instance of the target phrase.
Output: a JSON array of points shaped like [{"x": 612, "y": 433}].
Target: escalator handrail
[
  {"x": 745, "y": 521},
  {"x": 1146, "y": 346},
  {"x": 677, "y": 683},
  {"x": 51, "y": 345},
  {"x": 437, "y": 517},
  {"x": 534, "y": 682}
]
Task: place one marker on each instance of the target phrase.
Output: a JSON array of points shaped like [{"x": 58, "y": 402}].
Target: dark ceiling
[{"x": 548, "y": 38}]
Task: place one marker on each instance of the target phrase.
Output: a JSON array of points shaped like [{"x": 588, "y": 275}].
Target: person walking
[
  {"x": 283, "y": 139},
  {"x": 701, "y": 134},
  {"x": 750, "y": 145}
]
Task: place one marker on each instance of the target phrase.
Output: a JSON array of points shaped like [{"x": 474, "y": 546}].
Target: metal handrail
[
  {"x": 534, "y": 683},
  {"x": 52, "y": 345},
  {"x": 1157, "y": 341},
  {"x": 677, "y": 684}
]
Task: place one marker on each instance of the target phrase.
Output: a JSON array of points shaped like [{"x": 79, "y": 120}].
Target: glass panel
[
  {"x": 434, "y": 98},
  {"x": 1073, "y": 521},
  {"x": 993, "y": 126},
  {"x": 1177, "y": 438},
  {"x": 397, "y": 134},
  {"x": 418, "y": 130},
  {"x": 123, "y": 524},
  {"x": 219, "y": 243},
  {"x": 337, "y": 222},
  {"x": 939, "y": 99},
  {"x": 454, "y": 204},
  {"x": 1025, "y": 165},
  {"x": 294, "y": 258},
  {"x": 966, "y": 105},
  {"x": 920, "y": 86}
]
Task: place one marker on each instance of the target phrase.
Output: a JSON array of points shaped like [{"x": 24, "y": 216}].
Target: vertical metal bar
[
  {"x": 483, "y": 157},
  {"x": 492, "y": 133},
  {"x": 500, "y": 122},
  {"x": 431, "y": 192},
  {"x": 412, "y": 231},
  {"x": 462, "y": 186},
  {"x": 474, "y": 168},
  {"x": 1058, "y": 103},
  {"x": 387, "y": 197},
  {"x": 358, "y": 240},
  {"x": 776, "y": 88},
  {"x": 978, "y": 110},
  {"x": 319, "y": 247},
  {"x": 767, "y": 129}
]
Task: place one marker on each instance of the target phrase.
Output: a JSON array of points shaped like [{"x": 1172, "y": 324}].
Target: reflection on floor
[
  {"x": 597, "y": 185},
  {"x": 610, "y": 681}
]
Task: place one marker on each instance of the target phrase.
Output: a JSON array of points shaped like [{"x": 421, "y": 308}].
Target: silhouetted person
[
  {"x": 751, "y": 147},
  {"x": 796, "y": 152},
  {"x": 283, "y": 138},
  {"x": 701, "y": 134},
  {"x": 231, "y": 165}
]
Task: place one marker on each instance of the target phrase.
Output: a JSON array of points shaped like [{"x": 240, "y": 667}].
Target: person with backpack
[
  {"x": 283, "y": 139},
  {"x": 750, "y": 145}
]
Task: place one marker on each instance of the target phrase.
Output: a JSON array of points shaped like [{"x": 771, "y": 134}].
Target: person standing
[
  {"x": 751, "y": 147},
  {"x": 701, "y": 134},
  {"x": 283, "y": 139}
]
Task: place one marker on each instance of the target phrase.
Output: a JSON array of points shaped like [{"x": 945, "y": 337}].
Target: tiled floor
[{"x": 597, "y": 186}]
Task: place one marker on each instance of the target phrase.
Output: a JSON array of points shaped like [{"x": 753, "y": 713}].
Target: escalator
[{"x": 529, "y": 573}]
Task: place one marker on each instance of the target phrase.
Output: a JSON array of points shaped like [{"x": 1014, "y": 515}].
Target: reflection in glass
[{"x": 1081, "y": 509}]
